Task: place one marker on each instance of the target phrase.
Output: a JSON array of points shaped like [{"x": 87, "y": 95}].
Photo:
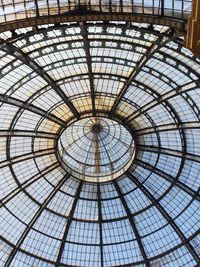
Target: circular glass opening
[{"x": 96, "y": 149}]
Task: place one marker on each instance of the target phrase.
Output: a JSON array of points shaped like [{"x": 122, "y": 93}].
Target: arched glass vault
[
  {"x": 26, "y": 9},
  {"x": 25, "y": 13},
  {"x": 138, "y": 75}
]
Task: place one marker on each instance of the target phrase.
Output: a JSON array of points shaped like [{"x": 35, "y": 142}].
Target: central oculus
[{"x": 96, "y": 149}]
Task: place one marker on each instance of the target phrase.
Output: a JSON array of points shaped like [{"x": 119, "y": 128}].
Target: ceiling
[{"x": 138, "y": 75}]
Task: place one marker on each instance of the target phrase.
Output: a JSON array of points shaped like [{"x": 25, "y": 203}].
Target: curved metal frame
[
  {"x": 158, "y": 99},
  {"x": 69, "y": 11}
]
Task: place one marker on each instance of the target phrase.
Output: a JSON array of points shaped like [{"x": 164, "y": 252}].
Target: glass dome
[
  {"x": 96, "y": 149},
  {"x": 139, "y": 84}
]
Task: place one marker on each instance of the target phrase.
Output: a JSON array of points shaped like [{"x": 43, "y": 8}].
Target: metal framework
[
  {"x": 138, "y": 74},
  {"x": 26, "y": 13},
  {"x": 132, "y": 223},
  {"x": 162, "y": 40},
  {"x": 12, "y": 50},
  {"x": 58, "y": 262},
  {"x": 89, "y": 64},
  {"x": 167, "y": 218},
  {"x": 35, "y": 217}
]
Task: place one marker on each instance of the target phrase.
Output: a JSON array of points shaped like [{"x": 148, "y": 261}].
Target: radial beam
[
  {"x": 100, "y": 223},
  {"x": 162, "y": 99},
  {"x": 27, "y": 133},
  {"x": 167, "y": 217},
  {"x": 84, "y": 32},
  {"x": 180, "y": 62},
  {"x": 96, "y": 129},
  {"x": 170, "y": 152},
  {"x": 97, "y": 154},
  {"x": 25, "y": 105},
  {"x": 23, "y": 57},
  {"x": 69, "y": 221},
  {"x": 28, "y": 183},
  {"x": 107, "y": 154},
  {"x": 169, "y": 178},
  {"x": 168, "y": 127},
  {"x": 161, "y": 41},
  {"x": 132, "y": 223},
  {"x": 34, "y": 219},
  {"x": 27, "y": 156}
]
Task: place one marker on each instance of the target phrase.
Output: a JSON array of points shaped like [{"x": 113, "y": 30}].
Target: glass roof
[
  {"x": 96, "y": 149},
  {"x": 24, "y": 9},
  {"x": 139, "y": 75}
]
